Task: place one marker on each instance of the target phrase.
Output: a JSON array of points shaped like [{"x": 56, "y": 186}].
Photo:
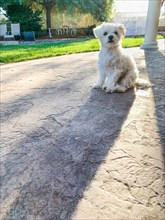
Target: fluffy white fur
[{"x": 117, "y": 71}]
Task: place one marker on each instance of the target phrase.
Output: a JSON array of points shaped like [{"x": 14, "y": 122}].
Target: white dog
[{"x": 117, "y": 71}]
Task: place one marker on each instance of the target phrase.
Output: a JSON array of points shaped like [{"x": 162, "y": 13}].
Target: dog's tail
[{"x": 143, "y": 84}]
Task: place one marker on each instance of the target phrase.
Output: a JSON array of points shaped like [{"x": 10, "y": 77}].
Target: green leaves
[
  {"x": 29, "y": 20},
  {"x": 101, "y": 10},
  {"x": 5, "y": 3}
]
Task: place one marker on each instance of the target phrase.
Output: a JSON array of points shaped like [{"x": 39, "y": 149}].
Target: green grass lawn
[{"x": 15, "y": 53}]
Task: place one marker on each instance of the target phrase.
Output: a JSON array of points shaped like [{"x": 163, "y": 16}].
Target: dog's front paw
[
  {"x": 109, "y": 89},
  {"x": 96, "y": 86}
]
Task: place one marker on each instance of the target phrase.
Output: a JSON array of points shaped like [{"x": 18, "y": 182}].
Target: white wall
[{"x": 135, "y": 25}]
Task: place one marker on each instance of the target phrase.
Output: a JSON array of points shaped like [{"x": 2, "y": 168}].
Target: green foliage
[
  {"x": 101, "y": 10},
  {"x": 23, "y": 14},
  {"x": 2, "y": 21},
  {"x": 5, "y": 3}
]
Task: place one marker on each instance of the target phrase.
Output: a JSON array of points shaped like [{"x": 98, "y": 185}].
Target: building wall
[{"x": 134, "y": 23}]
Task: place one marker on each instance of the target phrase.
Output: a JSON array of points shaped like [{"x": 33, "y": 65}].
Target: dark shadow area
[
  {"x": 50, "y": 168},
  {"x": 155, "y": 67}
]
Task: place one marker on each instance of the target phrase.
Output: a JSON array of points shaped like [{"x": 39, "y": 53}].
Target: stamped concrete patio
[{"x": 71, "y": 152}]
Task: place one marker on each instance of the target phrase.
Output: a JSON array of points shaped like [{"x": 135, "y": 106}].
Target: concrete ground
[{"x": 71, "y": 152}]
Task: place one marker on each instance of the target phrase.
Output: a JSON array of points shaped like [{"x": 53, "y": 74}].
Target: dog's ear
[
  {"x": 96, "y": 32},
  {"x": 122, "y": 30}
]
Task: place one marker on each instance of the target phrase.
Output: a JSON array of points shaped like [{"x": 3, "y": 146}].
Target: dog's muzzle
[{"x": 110, "y": 39}]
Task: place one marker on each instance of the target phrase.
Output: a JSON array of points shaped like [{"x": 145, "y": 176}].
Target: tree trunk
[{"x": 48, "y": 16}]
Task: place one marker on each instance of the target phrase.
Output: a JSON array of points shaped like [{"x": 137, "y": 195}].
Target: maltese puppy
[{"x": 117, "y": 71}]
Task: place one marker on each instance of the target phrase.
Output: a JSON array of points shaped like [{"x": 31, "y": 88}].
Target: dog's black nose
[{"x": 110, "y": 37}]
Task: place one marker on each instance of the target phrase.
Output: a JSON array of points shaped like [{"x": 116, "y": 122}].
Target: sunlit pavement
[{"x": 71, "y": 152}]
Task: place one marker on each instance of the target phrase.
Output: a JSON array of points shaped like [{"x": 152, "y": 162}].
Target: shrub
[{"x": 23, "y": 14}]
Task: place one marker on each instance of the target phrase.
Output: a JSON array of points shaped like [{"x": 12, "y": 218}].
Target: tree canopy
[
  {"x": 4, "y": 3},
  {"x": 20, "y": 14},
  {"x": 101, "y": 10}
]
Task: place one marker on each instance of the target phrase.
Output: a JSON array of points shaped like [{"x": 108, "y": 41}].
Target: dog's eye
[
  {"x": 105, "y": 33},
  {"x": 116, "y": 33}
]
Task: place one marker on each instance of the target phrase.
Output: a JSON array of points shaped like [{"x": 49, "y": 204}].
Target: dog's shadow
[{"x": 55, "y": 177}]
